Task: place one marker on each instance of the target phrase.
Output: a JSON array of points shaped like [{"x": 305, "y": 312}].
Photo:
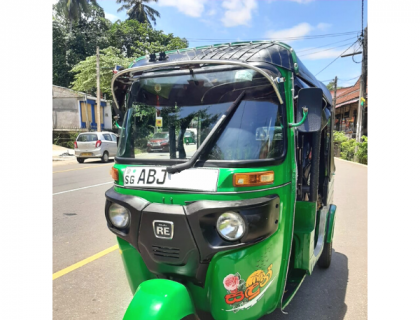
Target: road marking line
[
  {"x": 84, "y": 168},
  {"x": 95, "y": 185},
  {"x": 79, "y": 264}
]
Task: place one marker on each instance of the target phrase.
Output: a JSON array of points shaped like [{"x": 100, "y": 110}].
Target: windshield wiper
[{"x": 219, "y": 125}]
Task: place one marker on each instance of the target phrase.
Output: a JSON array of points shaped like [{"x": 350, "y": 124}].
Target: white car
[{"x": 95, "y": 145}]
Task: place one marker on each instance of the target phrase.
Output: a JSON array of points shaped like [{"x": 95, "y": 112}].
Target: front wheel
[
  {"x": 325, "y": 258},
  {"x": 80, "y": 160},
  {"x": 105, "y": 157}
]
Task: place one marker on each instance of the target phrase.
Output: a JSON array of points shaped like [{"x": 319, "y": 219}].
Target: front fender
[{"x": 160, "y": 299}]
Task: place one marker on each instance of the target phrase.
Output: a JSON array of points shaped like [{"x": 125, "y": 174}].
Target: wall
[{"x": 65, "y": 109}]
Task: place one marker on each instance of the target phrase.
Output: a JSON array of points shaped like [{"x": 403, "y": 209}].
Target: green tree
[
  {"x": 138, "y": 10},
  {"x": 136, "y": 38},
  {"x": 70, "y": 48},
  {"x": 72, "y": 10},
  {"x": 85, "y": 71},
  {"x": 330, "y": 86}
]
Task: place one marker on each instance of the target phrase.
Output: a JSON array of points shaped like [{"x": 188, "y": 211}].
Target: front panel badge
[{"x": 163, "y": 229}]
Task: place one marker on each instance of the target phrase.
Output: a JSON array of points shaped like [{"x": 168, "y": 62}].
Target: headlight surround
[
  {"x": 119, "y": 216},
  {"x": 231, "y": 226}
]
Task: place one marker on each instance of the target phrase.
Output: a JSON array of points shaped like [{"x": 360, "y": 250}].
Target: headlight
[
  {"x": 231, "y": 226},
  {"x": 120, "y": 216}
]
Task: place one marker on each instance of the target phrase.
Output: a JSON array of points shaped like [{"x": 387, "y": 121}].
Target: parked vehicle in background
[
  {"x": 189, "y": 137},
  {"x": 159, "y": 142},
  {"x": 95, "y": 145}
]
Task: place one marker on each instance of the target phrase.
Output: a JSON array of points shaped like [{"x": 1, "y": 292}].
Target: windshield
[
  {"x": 173, "y": 108},
  {"x": 161, "y": 135}
]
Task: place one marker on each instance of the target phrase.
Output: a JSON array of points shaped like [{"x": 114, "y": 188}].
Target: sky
[{"x": 205, "y": 22}]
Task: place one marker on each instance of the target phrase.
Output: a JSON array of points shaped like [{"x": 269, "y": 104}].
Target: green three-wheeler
[{"x": 226, "y": 227}]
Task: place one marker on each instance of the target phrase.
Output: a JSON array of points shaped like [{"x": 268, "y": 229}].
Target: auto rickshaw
[
  {"x": 189, "y": 137},
  {"x": 230, "y": 227}
]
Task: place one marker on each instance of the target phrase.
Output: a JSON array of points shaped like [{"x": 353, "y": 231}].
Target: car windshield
[
  {"x": 174, "y": 107},
  {"x": 160, "y": 135}
]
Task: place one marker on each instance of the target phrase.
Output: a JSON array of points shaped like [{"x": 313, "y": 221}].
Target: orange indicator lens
[
  {"x": 114, "y": 173},
  {"x": 253, "y": 179}
]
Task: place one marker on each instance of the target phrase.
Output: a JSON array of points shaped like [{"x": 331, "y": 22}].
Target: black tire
[
  {"x": 80, "y": 160},
  {"x": 325, "y": 258},
  {"x": 105, "y": 157}
]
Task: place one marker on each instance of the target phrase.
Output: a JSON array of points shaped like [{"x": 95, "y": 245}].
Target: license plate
[
  {"x": 86, "y": 154},
  {"x": 155, "y": 144},
  {"x": 156, "y": 177}
]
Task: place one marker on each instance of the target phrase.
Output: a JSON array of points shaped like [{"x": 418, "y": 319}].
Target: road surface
[{"x": 97, "y": 288}]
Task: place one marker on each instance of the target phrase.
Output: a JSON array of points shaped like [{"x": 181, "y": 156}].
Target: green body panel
[
  {"x": 290, "y": 297},
  {"x": 307, "y": 229},
  {"x": 160, "y": 299},
  {"x": 331, "y": 224},
  {"x": 134, "y": 265}
]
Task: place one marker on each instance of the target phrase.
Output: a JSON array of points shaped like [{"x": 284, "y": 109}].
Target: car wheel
[
  {"x": 80, "y": 160},
  {"x": 105, "y": 157}
]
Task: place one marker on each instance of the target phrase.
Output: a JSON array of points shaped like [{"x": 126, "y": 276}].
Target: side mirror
[{"x": 311, "y": 99}]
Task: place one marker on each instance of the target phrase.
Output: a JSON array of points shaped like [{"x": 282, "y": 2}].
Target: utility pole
[
  {"x": 363, "y": 86},
  {"x": 98, "y": 93}
]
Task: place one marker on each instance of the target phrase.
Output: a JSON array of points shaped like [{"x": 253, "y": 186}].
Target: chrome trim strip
[
  {"x": 200, "y": 192},
  {"x": 189, "y": 62}
]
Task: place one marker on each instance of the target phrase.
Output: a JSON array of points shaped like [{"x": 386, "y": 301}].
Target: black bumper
[{"x": 195, "y": 238}]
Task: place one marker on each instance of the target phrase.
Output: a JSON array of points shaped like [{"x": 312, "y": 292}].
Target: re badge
[{"x": 163, "y": 229}]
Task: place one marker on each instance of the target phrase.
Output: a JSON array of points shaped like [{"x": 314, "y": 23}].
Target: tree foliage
[
  {"x": 85, "y": 79},
  {"x": 70, "y": 48},
  {"x": 124, "y": 42},
  {"x": 138, "y": 10},
  {"x": 135, "y": 38},
  {"x": 350, "y": 149},
  {"x": 330, "y": 86}
]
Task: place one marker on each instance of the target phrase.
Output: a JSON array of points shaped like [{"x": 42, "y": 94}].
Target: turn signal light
[
  {"x": 114, "y": 173},
  {"x": 253, "y": 179}
]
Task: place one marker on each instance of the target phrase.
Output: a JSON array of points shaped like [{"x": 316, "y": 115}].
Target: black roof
[{"x": 274, "y": 53}]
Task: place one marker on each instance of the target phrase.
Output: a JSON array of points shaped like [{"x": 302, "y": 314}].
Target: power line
[
  {"x": 336, "y": 58},
  {"x": 325, "y": 45},
  {"x": 308, "y": 54},
  {"x": 287, "y": 38}
]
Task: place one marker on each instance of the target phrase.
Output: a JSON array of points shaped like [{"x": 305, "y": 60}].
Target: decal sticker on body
[{"x": 245, "y": 294}]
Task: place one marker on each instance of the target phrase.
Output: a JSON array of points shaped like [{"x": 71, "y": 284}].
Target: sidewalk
[{"x": 62, "y": 154}]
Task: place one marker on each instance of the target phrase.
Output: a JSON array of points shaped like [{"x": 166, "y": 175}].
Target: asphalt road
[{"x": 99, "y": 289}]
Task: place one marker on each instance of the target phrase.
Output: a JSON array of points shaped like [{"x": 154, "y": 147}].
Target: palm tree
[
  {"x": 137, "y": 10},
  {"x": 73, "y": 9}
]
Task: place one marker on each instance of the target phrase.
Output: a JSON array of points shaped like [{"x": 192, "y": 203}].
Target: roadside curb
[{"x": 360, "y": 164}]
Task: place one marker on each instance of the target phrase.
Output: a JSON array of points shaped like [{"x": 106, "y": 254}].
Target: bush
[
  {"x": 362, "y": 152},
  {"x": 347, "y": 148},
  {"x": 65, "y": 140}
]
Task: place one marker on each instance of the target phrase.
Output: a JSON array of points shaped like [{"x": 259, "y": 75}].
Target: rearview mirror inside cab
[
  {"x": 310, "y": 98},
  {"x": 269, "y": 133}
]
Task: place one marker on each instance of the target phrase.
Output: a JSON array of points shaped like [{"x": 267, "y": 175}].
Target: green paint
[
  {"x": 330, "y": 231},
  {"x": 305, "y": 115},
  {"x": 134, "y": 265},
  {"x": 160, "y": 299}
]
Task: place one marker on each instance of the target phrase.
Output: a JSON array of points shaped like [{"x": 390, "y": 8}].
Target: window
[
  {"x": 163, "y": 111},
  {"x": 87, "y": 137},
  {"x": 107, "y": 137},
  {"x": 114, "y": 137}
]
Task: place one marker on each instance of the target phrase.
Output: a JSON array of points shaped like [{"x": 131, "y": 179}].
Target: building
[
  {"x": 346, "y": 110},
  {"x": 76, "y": 111}
]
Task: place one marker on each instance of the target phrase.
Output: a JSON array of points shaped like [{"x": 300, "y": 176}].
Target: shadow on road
[{"x": 321, "y": 295}]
